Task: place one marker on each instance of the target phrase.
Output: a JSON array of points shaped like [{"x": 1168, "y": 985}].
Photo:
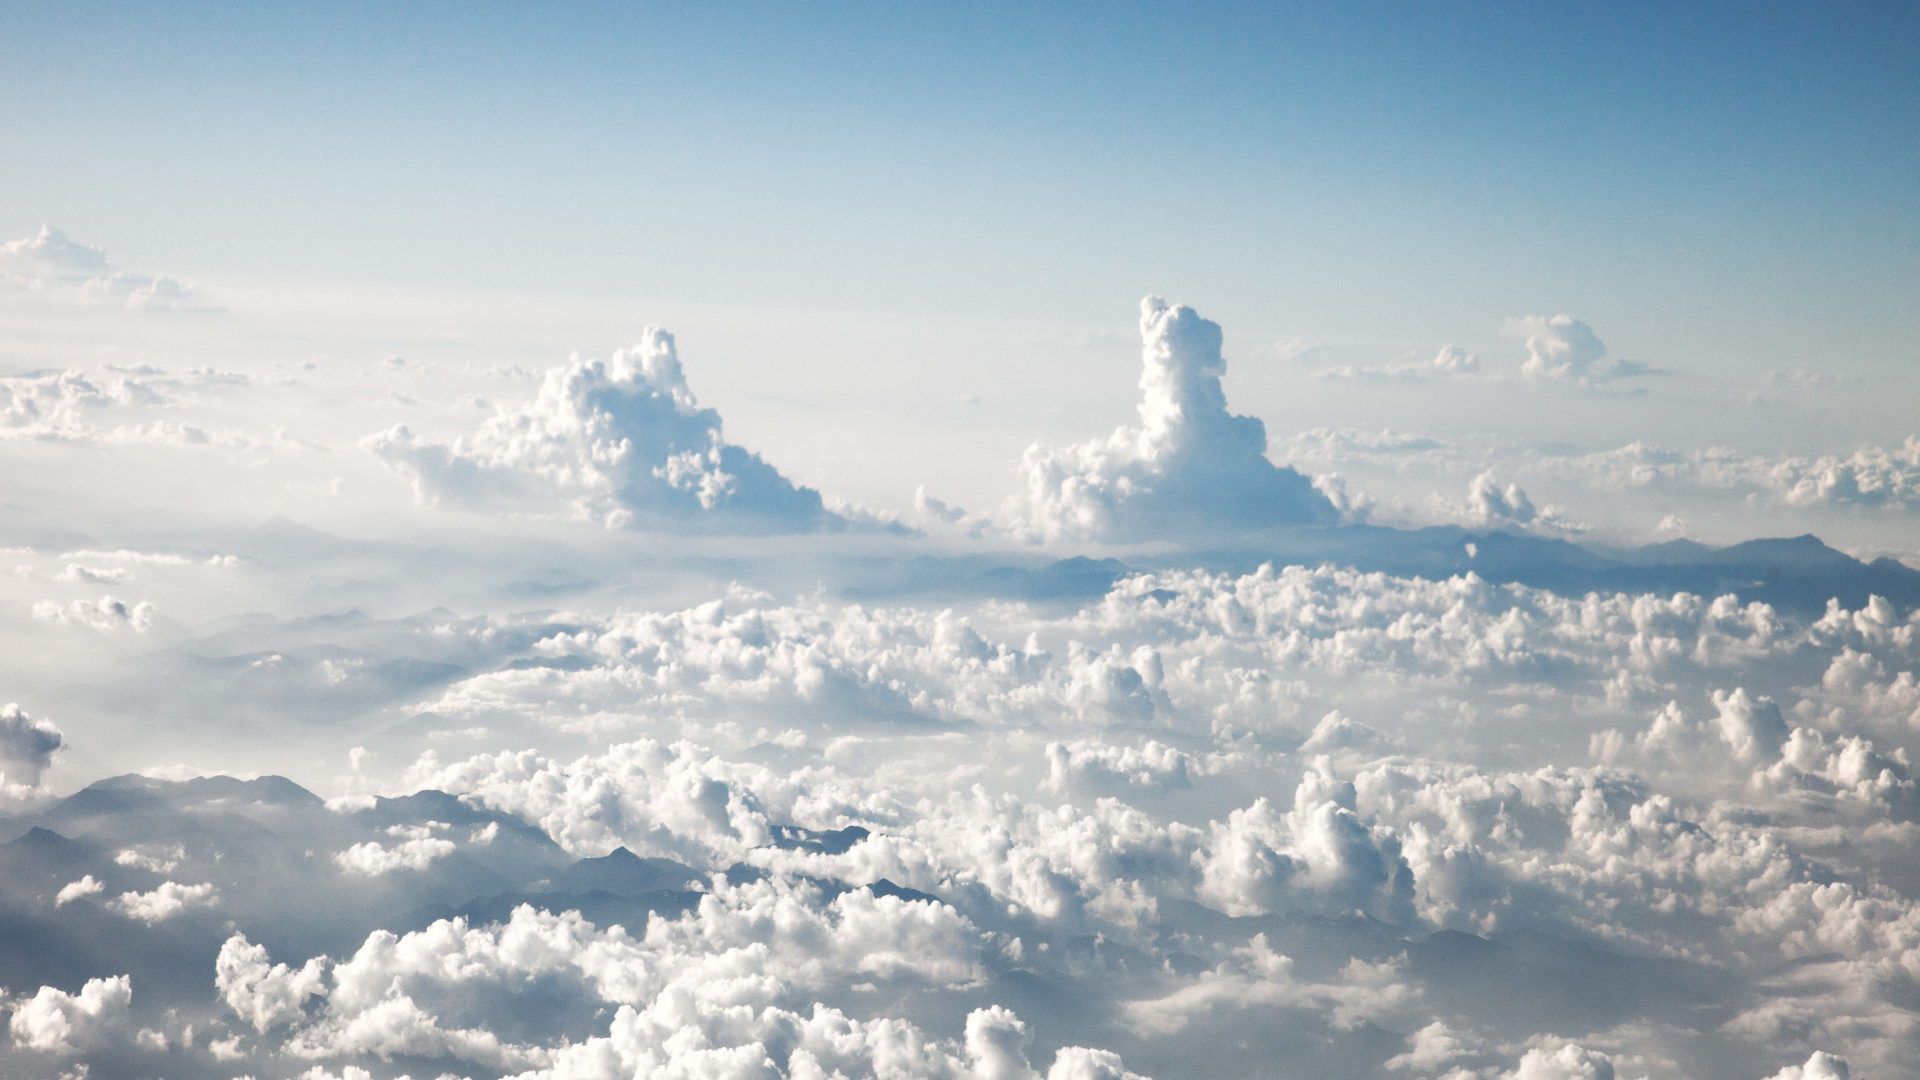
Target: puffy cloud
[
  {"x": 1319, "y": 856},
  {"x": 1092, "y": 799},
  {"x": 1871, "y": 476},
  {"x": 105, "y": 613},
  {"x": 1430, "y": 1049},
  {"x": 997, "y": 1043},
  {"x": 27, "y": 747},
  {"x": 74, "y": 890},
  {"x": 1489, "y": 506},
  {"x": 1083, "y": 1063},
  {"x": 698, "y": 992},
  {"x": 1152, "y": 767},
  {"x": 265, "y": 996},
  {"x": 56, "y": 1022},
  {"x": 1821, "y": 1066},
  {"x": 70, "y": 405},
  {"x": 1190, "y": 465},
  {"x": 1570, "y": 1061},
  {"x": 1562, "y": 348},
  {"x": 418, "y": 848},
  {"x": 622, "y": 442},
  {"x": 50, "y": 265},
  {"x": 163, "y": 903},
  {"x": 1754, "y": 729}
]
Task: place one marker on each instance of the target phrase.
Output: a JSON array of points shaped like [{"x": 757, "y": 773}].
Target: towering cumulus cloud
[
  {"x": 620, "y": 441},
  {"x": 1190, "y": 467}
]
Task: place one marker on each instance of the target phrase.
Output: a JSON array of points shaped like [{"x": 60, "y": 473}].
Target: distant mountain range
[{"x": 1798, "y": 574}]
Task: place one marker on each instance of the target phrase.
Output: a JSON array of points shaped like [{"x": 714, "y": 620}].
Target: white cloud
[
  {"x": 1489, "y": 506},
  {"x": 416, "y": 851},
  {"x": 1570, "y": 1061},
  {"x": 265, "y": 996},
  {"x": 74, "y": 890},
  {"x": 56, "y": 1022},
  {"x": 27, "y": 746},
  {"x": 54, "y": 405},
  {"x": 1189, "y": 467},
  {"x": 621, "y": 442},
  {"x": 105, "y": 613},
  {"x": 1430, "y": 1049},
  {"x": 1449, "y": 363},
  {"x": 49, "y": 265},
  {"x": 1754, "y": 729},
  {"x": 1564, "y": 349},
  {"x": 1821, "y": 1066},
  {"x": 163, "y": 903},
  {"x": 1868, "y": 476}
]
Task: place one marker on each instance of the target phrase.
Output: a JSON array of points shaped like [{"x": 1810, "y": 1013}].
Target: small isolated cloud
[
  {"x": 416, "y": 851},
  {"x": 110, "y": 575},
  {"x": 105, "y": 613},
  {"x": 1448, "y": 363},
  {"x": 622, "y": 442},
  {"x": 1489, "y": 506},
  {"x": 1190, "y": 465},
  {"x": 1564, "y": 349},
  {"x": 52, "y": 266},
  {"x": 74, "y": 890},
  {"x": 27, "y": 747},
  {"x": 163, "y": 903}
]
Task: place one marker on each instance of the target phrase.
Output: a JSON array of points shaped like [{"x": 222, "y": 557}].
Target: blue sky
[{"x": 1729, "y": 186}]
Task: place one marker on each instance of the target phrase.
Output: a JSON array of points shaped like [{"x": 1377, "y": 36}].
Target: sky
[{"x": 1009, "y": 541}]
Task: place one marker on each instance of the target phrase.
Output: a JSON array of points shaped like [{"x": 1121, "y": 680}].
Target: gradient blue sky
[{"x": 1732, "y": 185}]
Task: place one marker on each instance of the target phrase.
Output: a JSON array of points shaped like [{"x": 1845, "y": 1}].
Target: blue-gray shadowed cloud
[{"x": 27, "y": 747}]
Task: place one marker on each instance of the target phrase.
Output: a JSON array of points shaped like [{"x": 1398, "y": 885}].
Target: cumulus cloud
[
  {"x": 56, "y": 1022},
  {"x": 622, "y": 442},
  {"x": 1570, "y": 1061},
  {"x": 1189, "y": 467},
  {"x": 74, "y": 890},
  {"x": 1561, "y": 348},
  {"x": 105, "y": 613},
  {"x": 163, "y": 903},
  {"x": 1868, "y": 476},
  {"x": 1488, "y": 505},
  {"x": 1821, "y": 1066},
  {"x": 50, "y": 265},
  {"x": 55, "y": 405},
  {"x": 27, "y": 747},
  {"x": 262, "y": 994},
  {"x": 418, "y": 848},
  {"x": 701, "y": 992}
]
